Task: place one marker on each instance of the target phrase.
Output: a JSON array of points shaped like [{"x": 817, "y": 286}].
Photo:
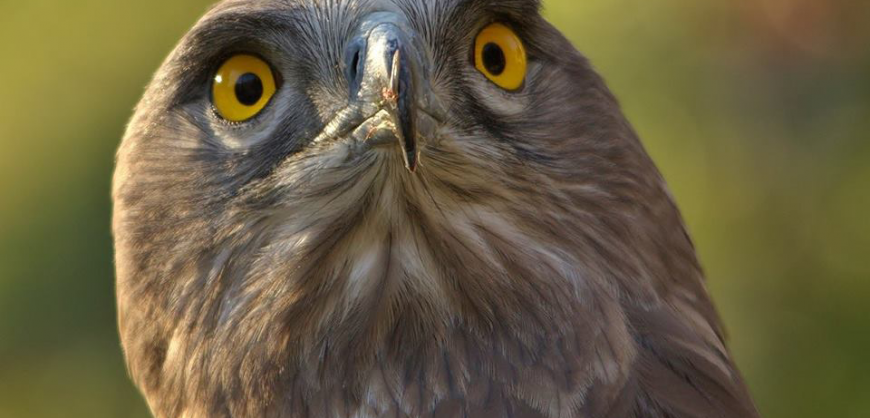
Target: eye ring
[
  {"x": 242, "y": 87},
  {"x": 500, "y": 55}
]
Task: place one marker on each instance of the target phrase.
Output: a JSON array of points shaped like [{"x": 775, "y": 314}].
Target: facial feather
[{"x": 262, "y": 273}]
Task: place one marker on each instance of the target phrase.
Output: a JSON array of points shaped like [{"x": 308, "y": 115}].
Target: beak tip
[{"x": 411, "y": 162}]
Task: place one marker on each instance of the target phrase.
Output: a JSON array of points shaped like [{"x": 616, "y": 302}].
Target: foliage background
[{"x": 757, "y": 111}]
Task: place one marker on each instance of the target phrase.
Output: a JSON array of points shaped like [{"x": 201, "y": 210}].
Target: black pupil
[
  {"x": 249, "y": 89},
  {"x": 494, "y": 59}
]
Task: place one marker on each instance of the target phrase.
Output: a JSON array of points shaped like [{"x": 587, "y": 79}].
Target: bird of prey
[{"x": 403, "y": 208}]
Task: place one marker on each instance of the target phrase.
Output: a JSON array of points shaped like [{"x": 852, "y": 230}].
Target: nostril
[
  {"x": 354, "y": 60},
  {"x": 354, "y": 66}
]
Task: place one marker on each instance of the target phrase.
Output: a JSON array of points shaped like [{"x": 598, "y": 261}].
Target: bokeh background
[{"x": 757, "y": 111}]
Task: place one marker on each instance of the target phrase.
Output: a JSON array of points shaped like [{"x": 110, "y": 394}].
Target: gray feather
[{"x": 534, "y": 265}]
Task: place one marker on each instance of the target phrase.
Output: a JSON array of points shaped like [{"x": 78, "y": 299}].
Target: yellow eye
[
  {"x": 242, "y": 87},
  {"x": 500, "y": 55}
]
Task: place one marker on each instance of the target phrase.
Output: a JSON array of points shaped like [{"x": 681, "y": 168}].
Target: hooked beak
[
  {"x": 385, "y": 69},
  {"x": 401, "y": 95}
]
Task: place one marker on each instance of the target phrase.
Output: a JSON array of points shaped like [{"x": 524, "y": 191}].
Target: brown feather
[{"x": 534, "y": 265}]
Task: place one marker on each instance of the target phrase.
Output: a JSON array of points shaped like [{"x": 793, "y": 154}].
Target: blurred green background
[{"x": 757, "y": 111}]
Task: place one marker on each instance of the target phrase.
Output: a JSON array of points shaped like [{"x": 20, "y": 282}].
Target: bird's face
[
  {"x": 345, "y": 87},
  {"x": 319, "y": 169}
]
